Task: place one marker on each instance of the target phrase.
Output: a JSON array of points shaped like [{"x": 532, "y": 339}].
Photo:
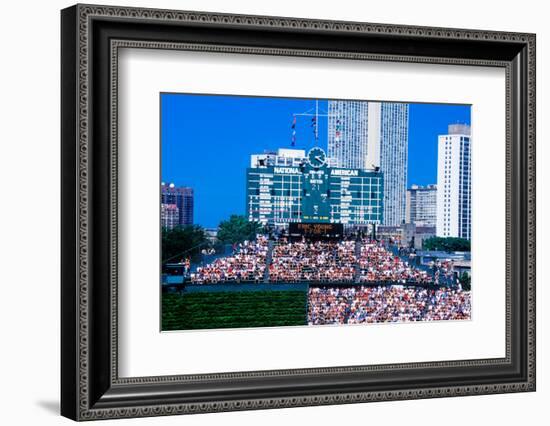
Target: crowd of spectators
[
  {"x": 322, "y": 261},
  {"x": 364, "y": 261},
  {"x": 443, "y": 272},
  {"x": 377, "y": 264},
  {"x": 355, "y": 305},
  {"x": 247, "y": 263}
]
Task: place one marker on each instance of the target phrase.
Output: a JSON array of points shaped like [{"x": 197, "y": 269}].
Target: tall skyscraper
[
  {"x": 183, "y": 198},
  {"x": 348, "y": 133},
  {"x": 394, "y": 149},
  {"x": 421, "y": 205},
  {"x": 454, "y": 183},
  {"x": 373, "y": 135}
]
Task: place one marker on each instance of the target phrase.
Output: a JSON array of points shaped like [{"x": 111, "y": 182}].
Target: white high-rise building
[
  {"x": 454, "y": 183},
  {"x": 421, "y": 205},
  {"x": 371, "y": 135}
]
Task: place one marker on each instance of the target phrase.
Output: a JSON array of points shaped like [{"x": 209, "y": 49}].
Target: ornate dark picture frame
[{"x": 90, "y": 385}]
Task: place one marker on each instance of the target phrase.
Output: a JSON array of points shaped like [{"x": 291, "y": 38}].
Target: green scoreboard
[{"x": 314, "y": 192}]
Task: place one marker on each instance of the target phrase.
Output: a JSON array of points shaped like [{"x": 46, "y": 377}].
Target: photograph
[{"x": 282, "y": 212}]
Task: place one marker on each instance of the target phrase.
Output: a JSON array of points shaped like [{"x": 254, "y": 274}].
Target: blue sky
[{"x": 207, "y": 141}]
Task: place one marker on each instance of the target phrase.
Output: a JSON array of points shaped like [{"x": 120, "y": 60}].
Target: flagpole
[{"x": 316, "y": 121}]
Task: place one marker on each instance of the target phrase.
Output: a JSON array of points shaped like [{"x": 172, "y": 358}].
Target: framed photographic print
[{"x": 263, "y": 212}]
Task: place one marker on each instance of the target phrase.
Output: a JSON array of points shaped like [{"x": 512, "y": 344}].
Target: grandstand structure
[
  {"x": 346, "y": 261},
  {"x": 283, "y": 281}
]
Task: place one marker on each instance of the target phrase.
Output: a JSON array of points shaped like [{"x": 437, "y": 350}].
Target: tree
[
  {"x": 465, "y": 281},
  {"x": 447, "y": 244},
  {"x": 237, "y": 229},
  {"x": 182, "y": 242}
]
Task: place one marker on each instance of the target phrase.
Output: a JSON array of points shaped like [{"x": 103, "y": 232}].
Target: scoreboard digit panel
[
  {"x": 356, "y": 196},
  {"x": 274, "y": 194},
  {"x": 315, "y": 201}
]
